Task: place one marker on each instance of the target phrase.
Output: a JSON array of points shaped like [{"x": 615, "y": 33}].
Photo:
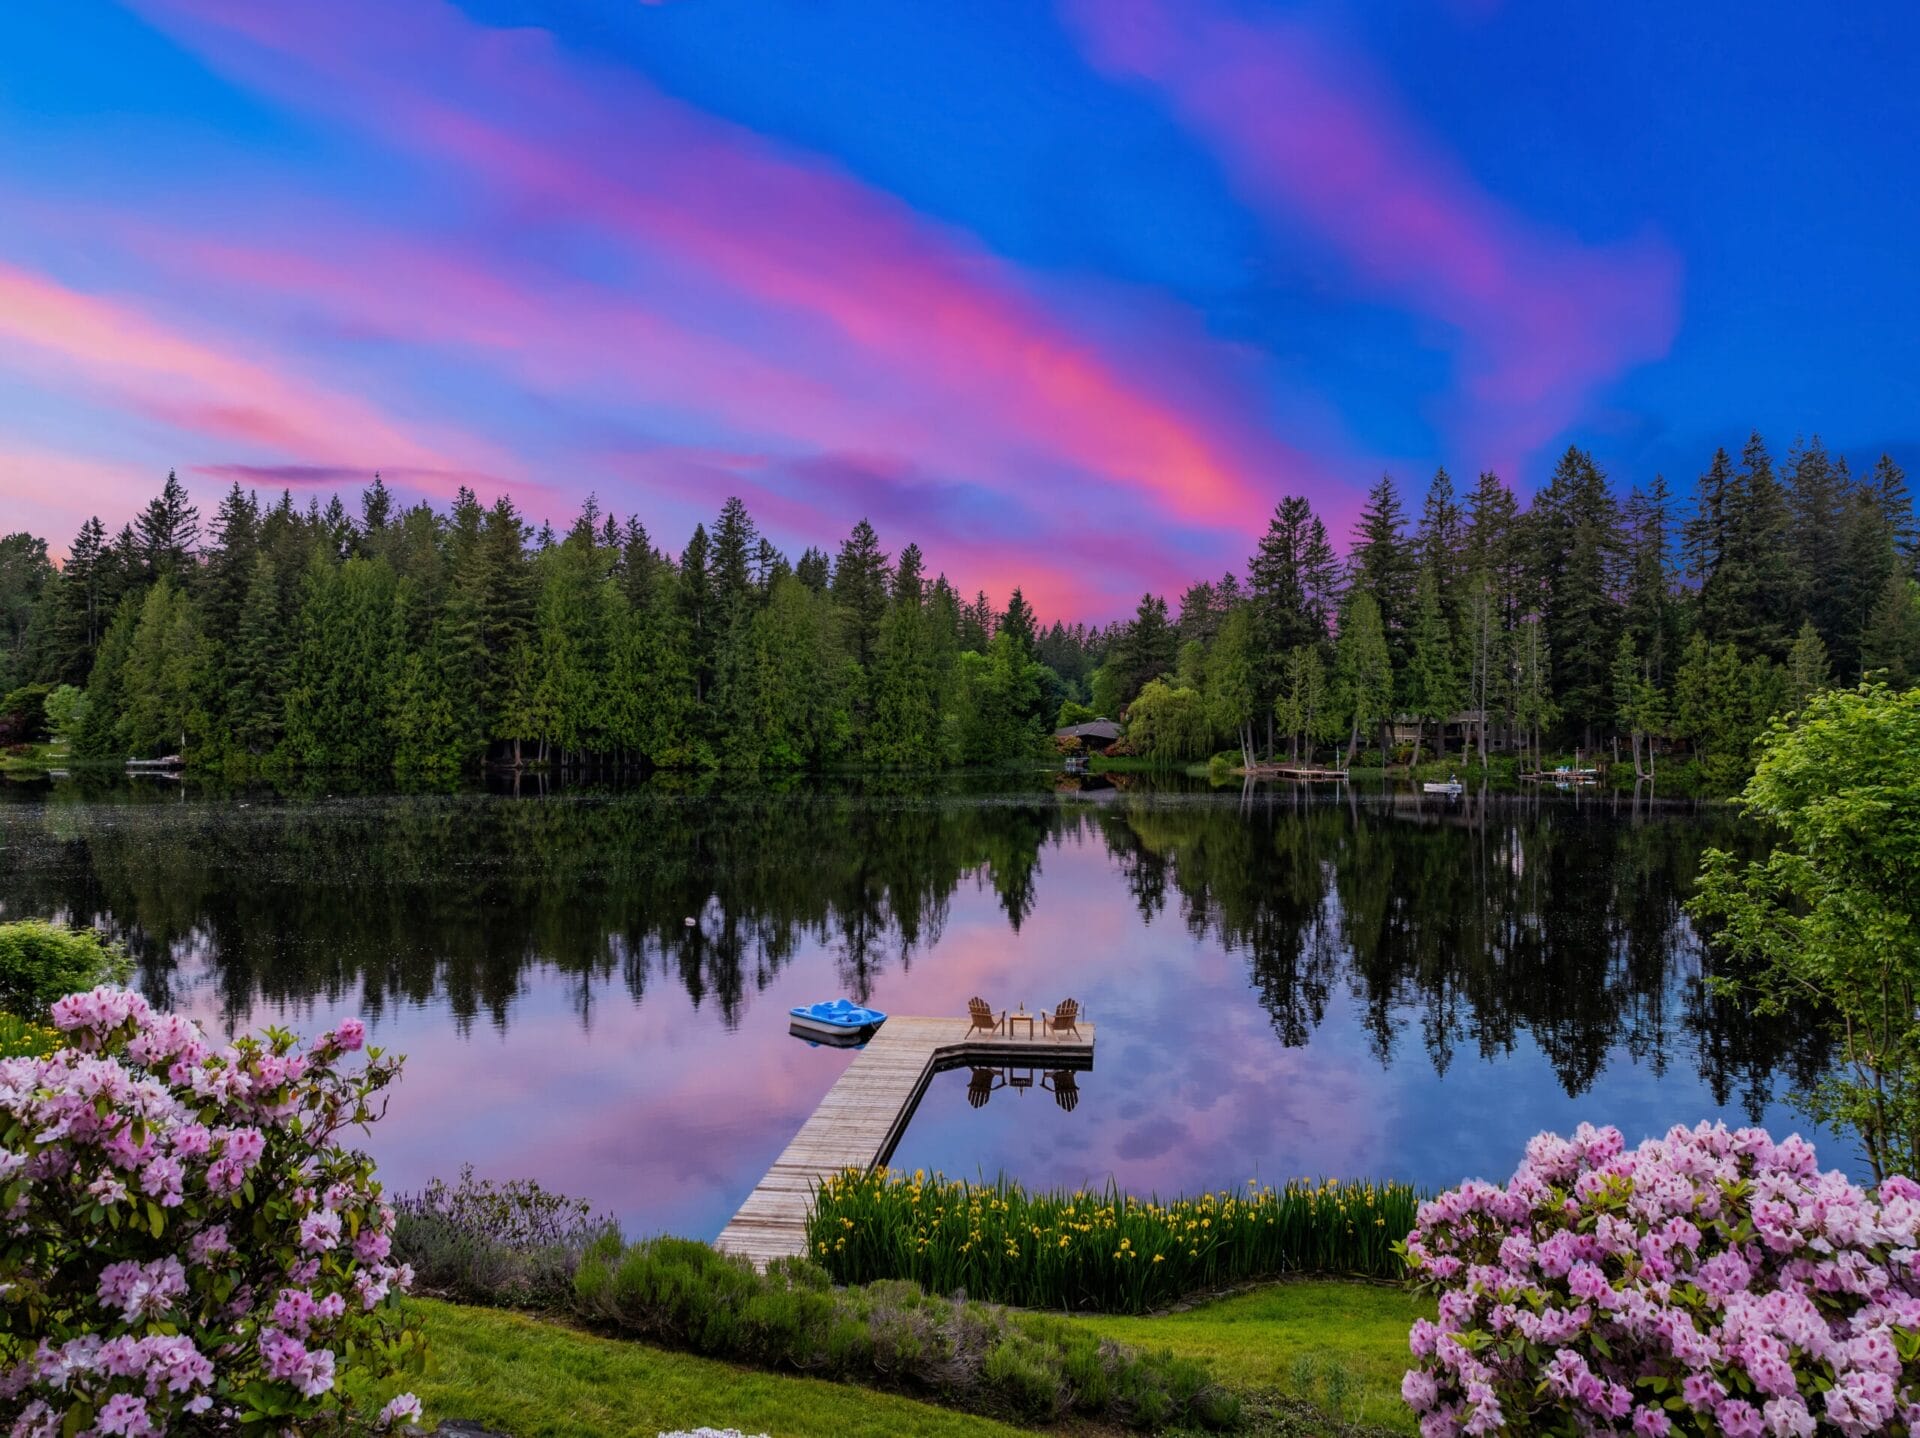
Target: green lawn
[
  {"x": 540, "y": 1379},
  {"x": 1255, "y": 1340},
  {"x": 537, "y": 1379}
]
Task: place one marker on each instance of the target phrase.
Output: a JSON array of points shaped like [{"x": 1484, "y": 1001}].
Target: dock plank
[{"x": 859, "y": 1121}]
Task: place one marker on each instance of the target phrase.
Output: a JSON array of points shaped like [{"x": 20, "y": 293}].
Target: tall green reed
[{"x": 1099, "y": 1250}]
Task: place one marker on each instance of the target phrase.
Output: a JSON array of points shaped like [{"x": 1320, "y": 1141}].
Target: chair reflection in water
[
  {"x": 1065, "y": 1087},
  {"x": 1063, "y": 1084},
  {"x": 981, "y": 1086}
]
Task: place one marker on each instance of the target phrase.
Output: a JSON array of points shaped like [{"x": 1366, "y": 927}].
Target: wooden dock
[
  {"x": 860, "y": 1121},
  {"x": 1295, "y": 771}
]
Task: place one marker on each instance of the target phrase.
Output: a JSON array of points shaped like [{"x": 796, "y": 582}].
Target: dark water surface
[{"x": 1285, "y": 984}]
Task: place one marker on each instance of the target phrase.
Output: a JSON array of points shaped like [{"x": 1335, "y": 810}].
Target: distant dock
[
  {"x": 860, "y": 1121},
  {"x": 1296, "y": 771}
]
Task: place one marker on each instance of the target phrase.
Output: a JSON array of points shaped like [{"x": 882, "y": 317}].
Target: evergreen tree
[
  {"x": 162, "y": 677},
  {"x": 256, "y": 665},
  {"x": 1381, "y": 566},
  {"x": 1808, "y": 672},
  {"x": 1289, "y": 585},
  {"x": 1576, "y": 536},
  {"x": 1533, "y": 707},
  {"x": 376, "y": 507},
  {"x": 99, "y": 735},
  {"x": 1303, "y": 708},
  {"x": 1891, "y": 643},
  {"x": 1018, "y": 621},
  {"x": 860, "y": 591},
  {"x": 1146, "y": 650},
  {"x": 1232, "y": 688},
  {"x": 1434, "y": 687},
  {"x": 1363, "y": 670},
  {"x": 1818, "y": 498},
  {"x": 83, "y": 603},
  {"x": 168, "y": 531},
  {"x": 1651, "y": 614},
  {"x": 813, "y": 570},
  {"x": 730, "y": 567},
  {"x": 25, "y": 572}
]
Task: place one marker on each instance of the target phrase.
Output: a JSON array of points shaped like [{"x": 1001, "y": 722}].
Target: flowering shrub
[
  {"x": 1711, "y": 1282},
  {"x": 182, "y": 1241}
]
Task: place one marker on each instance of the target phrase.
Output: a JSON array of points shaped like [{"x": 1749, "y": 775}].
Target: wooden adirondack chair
[
  {"x": 1063, "y": 1019},
  {"x": 983, "y": 1020}
]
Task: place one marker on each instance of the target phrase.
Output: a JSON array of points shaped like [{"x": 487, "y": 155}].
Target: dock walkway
[{"x": 859, "y": 1122}]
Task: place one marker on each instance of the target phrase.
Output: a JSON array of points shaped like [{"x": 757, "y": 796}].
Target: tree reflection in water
[{"x": 1488, "y": 919}]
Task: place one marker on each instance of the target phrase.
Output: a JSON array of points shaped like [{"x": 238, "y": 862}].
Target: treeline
[
  {"x": 418, "y": 642},
  {"x": 1582, "y": 620}
]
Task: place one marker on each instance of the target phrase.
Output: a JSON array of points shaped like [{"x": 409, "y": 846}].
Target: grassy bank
[
  {"x": 1339, "y": 1346},
  {"x": 540, "y": 1379}
]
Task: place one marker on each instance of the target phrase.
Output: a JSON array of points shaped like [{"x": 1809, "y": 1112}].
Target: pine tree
[
  {"x": 813, "y": 570},
  {"x": 1819, "y": 504},
  {"x": 1651, "y": 613},
  {"x": 255, "y": 703},
  {"x": 1434, "y": 685},
  {"x": 1147, "y": 649},
  {"x": 860, "y": 590},
  {"x": 1891, "y": 643},
  {"x": 1576, "y": 535},
  {"x": 1363, "y": 670},
  {"x": 1302, "y": 707},
  {"x": 1381, "y": 566},
  {"x": 1808, "y": 672},
  {"x": 730, "y": 567},
  {"x": 84, "y": 604},
  {"x": 376, "y": 507},
  {"x": 1533, "y": 707},
  {"x": 99, "y": 736},
  {"x": 1018, "y": 621},
  {"x": 168, "y": 531}
]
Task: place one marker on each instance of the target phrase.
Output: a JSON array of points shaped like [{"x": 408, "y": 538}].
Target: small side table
[{"x": 1013, "y": 1019}]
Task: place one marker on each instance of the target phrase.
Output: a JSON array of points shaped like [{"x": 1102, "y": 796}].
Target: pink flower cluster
[
  {"x": 1710, "y": 1282},
  {"x": 135, "y": 1159}
]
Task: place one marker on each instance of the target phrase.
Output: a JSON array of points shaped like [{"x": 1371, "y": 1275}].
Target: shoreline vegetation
[{"x": 409, "y": 642}]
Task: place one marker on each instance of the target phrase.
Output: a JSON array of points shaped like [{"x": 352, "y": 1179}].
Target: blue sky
[{"x": 1069, "y": 293}]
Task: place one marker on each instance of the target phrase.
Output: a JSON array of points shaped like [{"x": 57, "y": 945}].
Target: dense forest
[{"x": 411, "y": 641}]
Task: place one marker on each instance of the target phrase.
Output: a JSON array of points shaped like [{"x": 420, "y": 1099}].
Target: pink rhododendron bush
[
  {"x": 1710, "y": 1282},
  {"x": 184, "y": 1245}
]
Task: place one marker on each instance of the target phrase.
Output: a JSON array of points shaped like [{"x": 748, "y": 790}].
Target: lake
[{"x": 1285, "y": 983}]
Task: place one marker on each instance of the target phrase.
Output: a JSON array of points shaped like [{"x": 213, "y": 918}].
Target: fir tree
[
  {"x": 1018, "y": 621},
  {"x": 168, "y": 531},
  {"x": 1381, "y": 566},
  {"x": 860, "y": 590},
  {"x": 1891, "y": 642},
  {"x": 1363, "y": 670},
  {"x": 1808, "y": 671}
]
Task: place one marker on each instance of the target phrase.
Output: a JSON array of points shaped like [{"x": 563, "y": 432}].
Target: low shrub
[
  {"x": 1102, "y": 1251},
  {"x": 1711, "y": 1282},
  {"x": 41, "y": 962},
  {"x": 187, "y": 1245},
  {"x": 1023, "y": 1366},
  {"x": 510, "y": 1245}
]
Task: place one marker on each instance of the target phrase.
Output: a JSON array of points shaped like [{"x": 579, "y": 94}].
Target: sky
[{"x": 1068, "y": 292}]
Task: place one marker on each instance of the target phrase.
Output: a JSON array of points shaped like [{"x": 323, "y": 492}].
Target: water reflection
[{"x": 1397, "y": 985}]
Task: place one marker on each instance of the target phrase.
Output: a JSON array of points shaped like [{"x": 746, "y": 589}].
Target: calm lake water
[{"x": 1284, "y": 983}]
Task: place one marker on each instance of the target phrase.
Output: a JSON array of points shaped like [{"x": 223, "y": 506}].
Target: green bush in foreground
[
  {"x": 1025, "y": 1366},
  {"x": 1101, "y": 1250},
  {"x": 41, "y": 962}
]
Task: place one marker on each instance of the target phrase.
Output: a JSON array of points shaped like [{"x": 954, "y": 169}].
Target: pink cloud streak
[
  {"x": 562, "y": 139},
  {"x": 196, "y": 385},
  {"x": 1304, "y": 135}
]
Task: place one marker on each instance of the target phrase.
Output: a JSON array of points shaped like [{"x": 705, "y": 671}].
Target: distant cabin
[{"x": 1095, "y": 733}]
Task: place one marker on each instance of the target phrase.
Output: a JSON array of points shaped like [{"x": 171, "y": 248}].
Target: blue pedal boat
[{"x": 836, "y": 1019}]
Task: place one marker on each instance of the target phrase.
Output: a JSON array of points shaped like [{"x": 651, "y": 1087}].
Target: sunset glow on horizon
[{"x": 1069, "y": 295}]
